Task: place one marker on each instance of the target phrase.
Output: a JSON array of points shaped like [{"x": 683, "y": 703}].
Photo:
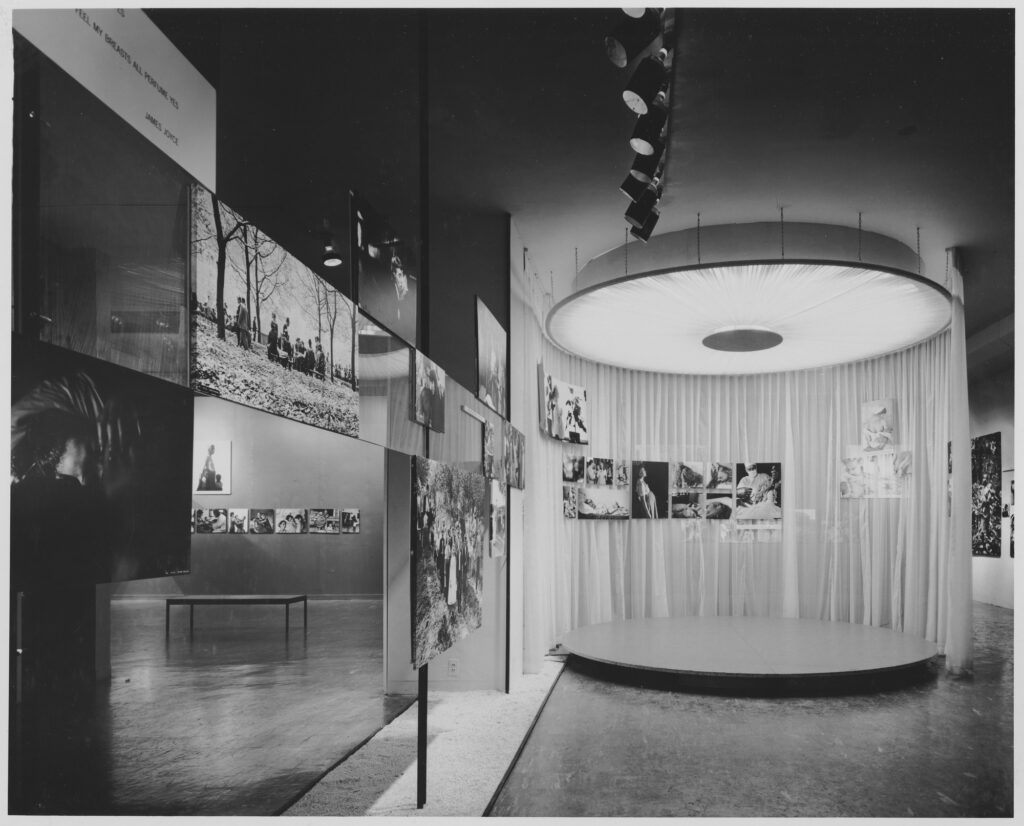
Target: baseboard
[{"x": 310, "y": 597}]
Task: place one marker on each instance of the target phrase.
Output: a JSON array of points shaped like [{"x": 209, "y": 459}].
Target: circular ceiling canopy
[{"x": 749, "y": 317}]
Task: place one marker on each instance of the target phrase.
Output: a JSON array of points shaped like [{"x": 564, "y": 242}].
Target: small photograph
[
  {"x": 599, "y": 472},
  {"x": 563, "y": 409},
  {"x": 718, "y": 506},
  {"x": 719, "y": 476},
  {"x": 572, "y": 468},
  {"x": 515, "y": 456},
  {"x": 324, "y": 520},
  {"x": 428, "y": 381},
  {"x": 290, "y": 520},
  {"x": 878, "y": 425},
  {"x": 650, "y": 490},
  {"x": 488, "y": 450},
  {"x": 986, "y": 495},
  {"x": 211, "y": 466},
  {"x": 261, "y": 520},
  {"x": 211, "y": 520},
  {"x": 499, "y": 517},
  {"x": 622, "y": 474},
  {"x": 602, "y": 503},
  {"x": 759, "y": 490},
  {"x": 687, "y": 506},
  {"x": 852, "y": 482},
  {"x": 569, "y": 510},
  {"x": 686, "y": 476},
  {"x": 350, "y": 520},
  {"x": 492, "y": 360},
  {"x": 238, "y": 520},
  {"x": 192, "y": 521}
]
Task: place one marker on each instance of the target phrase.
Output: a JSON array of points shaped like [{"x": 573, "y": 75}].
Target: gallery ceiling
[{"x": 905, "y": 116}]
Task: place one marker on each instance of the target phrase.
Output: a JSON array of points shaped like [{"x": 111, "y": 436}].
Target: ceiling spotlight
[
  {"x": 632, "y": 36},
  {"x": 646, "y": 136},
  {"x": 633, "y": 187},
  {"x": 645, "y": 167},
  {"x": 331, "y": 256},
  {"x": 644, "y": 232},
  {"x": 634, "y": 12},
  {"x": 641, "y": 208},
  {"x": 647, "y": 83}
]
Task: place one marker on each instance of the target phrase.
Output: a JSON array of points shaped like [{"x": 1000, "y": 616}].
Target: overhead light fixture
[
  {"x": 640, "y": 209},
  {"x": 632, "y": 36},
  {"x": 643, "y": 232},
  {"x": 645, "y": 167},
  {"x": 633, "y": 187},
  {"x": 331, "y": 257},
  {"x": 646, "y": 136},
  {"x": 648, "y": 82}
]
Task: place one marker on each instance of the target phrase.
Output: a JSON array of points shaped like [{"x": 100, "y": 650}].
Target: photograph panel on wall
[
  {"x": 853, "y": 483},
  {"x": 569, "y": 508},
  {"x": 488, "y": 450},
  {"x": 718, "y": 505},
  {"x": 650, "y": 490},
  {"x": 290, "y": 520},
  {"x": 573, "y": 465},
  {"x": 758, "y": 490},
  {"x": 491, "y": 360},
  {"x": 428, "y": 386},
  {"x": 602, "y": 503},
  {"x": 450, "y": 529},
  {"x": 499, "y": 517},
  {"x": 599, "y": 472},
  {"x": 261, "y": 520},
  {"x": 324, "y": 520},
  {"x": 384, "y": 379},
  {"x": 622, "y": 474},
  {"x": 238, "y": 520},
  {"x": 986, "y": 495},
  {"x": 563, "y": 409},
  {"x": 719, "y": 476},
  {"x": 878, "y": 425},
  {"x": 686, "y": 476},
  {"x": 387, "y": 270},
  {"x": 515, "y": 456},
  {"x": 350, "y": 520},
  {"x": 267, "y": 331},
  {"x": 101, "y": 467},
  {"x": 211, "y": 520},
  {"x": 211, "y": 466},
  {"x": 1008, "y": 502},
  {"x": 687, "y": 505}
]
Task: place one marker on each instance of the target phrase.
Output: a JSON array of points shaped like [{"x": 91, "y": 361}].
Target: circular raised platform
[{"x": 740, "y": 652}]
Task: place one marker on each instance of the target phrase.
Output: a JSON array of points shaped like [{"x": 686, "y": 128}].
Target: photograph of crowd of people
[
  {"x": 350, "y": 520},
  {"x": 211, "y": 466},
  {"x": 387, "y": 271},
  {"x": 428, "y": 381},
  {"x": 650, "y": 490},
  {"x": 686, "y": 476},
  {"x": 211, "y": 520},
  {"x": 877, "y": 425},
  {"x": 602, "y": 503},
  {"x": 324, "y": 520},
  {"x": 499, "y": 517},
  {"x": 267, "y": 331},
  {"x": 759, "y": 490},
  {"x": 488, "y": 450},
  {"x": 515, "y": 457},
  {"x": 491, "y": 360},
  {"x": 238, "y": 520},
  {"x": 563, "y": 409},
  {"x": 986, "y": 495},
  {"x": 450, "y": 528},
  {"x": 101, "y": 462}
]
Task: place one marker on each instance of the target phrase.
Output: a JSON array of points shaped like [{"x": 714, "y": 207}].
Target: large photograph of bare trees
[
  {"x": 451, "y": 526},
  {"x": 266, "y": 330}
]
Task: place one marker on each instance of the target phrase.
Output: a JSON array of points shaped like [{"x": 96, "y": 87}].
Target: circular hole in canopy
[{"x": 742, "y": 339}]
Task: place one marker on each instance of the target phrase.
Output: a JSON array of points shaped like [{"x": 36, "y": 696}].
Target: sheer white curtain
[{"x": 884, "y": 562}]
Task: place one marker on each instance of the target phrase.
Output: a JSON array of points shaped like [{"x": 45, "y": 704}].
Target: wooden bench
[{"x": 287, "y": 600}]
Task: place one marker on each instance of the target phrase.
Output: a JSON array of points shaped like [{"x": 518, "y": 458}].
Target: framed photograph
[
  {"x": 427, "y": 398},
  {"x": 650, "y": 490},
  {"x": 719, "y": 476},
  {"x": 211, "y": 466},
  {"x": 572, "y": 467},
  {"x": 350, "y": 520},
  {"x": 515, "y": 457},
  {"x": 599, "y": 472},
  {"x": 211, "y": 520},
  {"x": 488, "y": 450},
  {"x": 602, "y": 503},
  {"x": 569, "y": 509},
  {"x": 758, "y": 490},
  {"x": 687, "y": 505},
  {"x": 238, "y": 520},
  {"x": 491, "y": 360},
  {"x": 289, "y": 520},
  {"x": 499, "y": 517},
  {"x": 563, "y": 412},
  {"x": 623, "y": 474},
  {"x": 686, "y": 476},
  {"x": 878, "y": 425},
  {"x": 853, "y": 483},
  {"x": 451, "y": 512},
  {"x": 986, "y": 495},
  {"x": 324, "y": 520},
  {"x": 718, "y": 506},
  {"x": 261, "y": 520}
]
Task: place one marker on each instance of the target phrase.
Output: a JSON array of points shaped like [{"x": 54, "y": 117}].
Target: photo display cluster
[{"x": 275, "y": 520}]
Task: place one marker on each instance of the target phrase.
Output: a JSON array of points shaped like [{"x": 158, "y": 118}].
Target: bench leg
[
  {"x": 167, "y": 622},
  {"x": 287, "y": 616},
  {"x": 191, "y": 620},
  {"x": 305, "y": 616}
]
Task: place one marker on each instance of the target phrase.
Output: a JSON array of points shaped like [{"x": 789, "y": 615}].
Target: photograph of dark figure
[
  {"x": 428, "y": 383},
  {"x": 211, "y": 466},
  {"x": 261, "y": 520},
  {"x": 491, "y": 360},
  {"x": 211, "y": 520},
  {"x": 350, "y": 520},
  {"x": 650, "y": 490},
  {"x": 238, "y": 520}
]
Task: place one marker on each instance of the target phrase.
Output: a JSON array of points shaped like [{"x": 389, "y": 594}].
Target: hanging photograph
[
  {"x": 324, "y": 520},
  {"x": 499, "y": 517},
  {"x": 572, "y": 467},
  {"x": 1008, "y": 507},
  {"x": 622, "y": 474},
  {"x": 384, "y": 379},
  {"x": 602, "y": 503},
  {"x": 569, "y": 501},
  {"x": 758, "y": 490},
  {"x": 261, "y": 520},
  {"x": 650, "y": 490},
  {"x": 876, "y": 475},
  {"x": 878, "y": 425},
  {"x": 450, "y": 527},
  {"x": 267, "y": 331},
  {"x": 986, "y": 495},
  {"x": 238, "y": 520},
  {"x": 563, "y": 409},
  {"x": 515, "y": 456},
  {"x": 852, "y": 481},
  {"x": 488, "y": 450},
  {"x": 211, "y": 520},
  {"x": 387, "y": 270},
  {"x": 289, "y": 520},
  {"x": 350, "y": 520},
  {"x": 599, "y": 472},
  {"x": 687, "y": 505},
  {"x": 211, "y": 466},
  {"x": 719, "y": 476},
  {"x": 686, "y": 476},
  {"x": 491, "y": 360},
  {"x": 718, "y": 506},
  {"x": 428, "y": 381},
  {"x": 101, "y": 467}
]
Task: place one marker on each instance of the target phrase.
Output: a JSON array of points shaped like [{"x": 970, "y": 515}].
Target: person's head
[
  {"x": 210, "y": 450},
  {"x": 55, "y": 442},
  {"x": 642, "y": 473}
]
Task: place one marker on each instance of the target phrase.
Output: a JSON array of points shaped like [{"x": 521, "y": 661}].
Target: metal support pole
[{"x": 421, "y": 740}]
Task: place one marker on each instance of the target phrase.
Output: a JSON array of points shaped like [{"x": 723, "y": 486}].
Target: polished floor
[
  {"x": 942, "y": 748},
  {"x": 238, "y": 721}
]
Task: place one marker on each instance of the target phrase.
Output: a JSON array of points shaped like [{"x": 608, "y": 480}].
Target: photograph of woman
[
  {"x": 211, "y": 463},
  {"x": 650, "y": 490}
]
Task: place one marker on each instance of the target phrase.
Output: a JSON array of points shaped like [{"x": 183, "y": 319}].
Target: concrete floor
[
  {"x": 943, "y": 748},
  {"x": 239, "y": 721}
]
